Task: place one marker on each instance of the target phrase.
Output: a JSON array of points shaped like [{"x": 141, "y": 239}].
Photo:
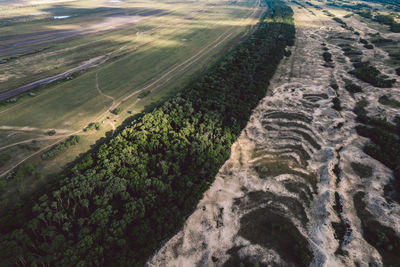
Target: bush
[
  {"x": 369, "y": 46},
  {"x": 334, "y": 86},
  {"x": 117, "y": 111},
  {"x": 144, "y": 94},
  {"x": 93, "y": 126},
  {"x": 51, "y": 132},
  {"x": 363, "y": 41},
  {"x": 336, "y": 104},
  {"x": 366, "y": 13},
  {"x": 61, "y": 147},
  {"x": 338, "y": 20},
  {"x": 351, "y": 87},
  {"x": 388, "y": 20}
]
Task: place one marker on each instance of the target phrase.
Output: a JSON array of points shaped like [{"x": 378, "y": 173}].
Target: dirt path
[
  {"x": 14, "y": 92},
  {"x": 33, "y": 139},
  {"x": 32, "y": 129}
]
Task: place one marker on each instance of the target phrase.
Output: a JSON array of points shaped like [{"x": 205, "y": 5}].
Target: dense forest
[{"x": 120, "y": 201}]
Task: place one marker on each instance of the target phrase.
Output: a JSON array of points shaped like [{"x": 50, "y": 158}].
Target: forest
[{"x": 119, "y": 202}]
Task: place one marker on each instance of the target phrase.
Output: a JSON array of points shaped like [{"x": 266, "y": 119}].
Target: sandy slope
[{"x": 294, "y": 126}]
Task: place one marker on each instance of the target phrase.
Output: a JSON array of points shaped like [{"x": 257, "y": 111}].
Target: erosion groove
[{"x": 115, "y": 207}]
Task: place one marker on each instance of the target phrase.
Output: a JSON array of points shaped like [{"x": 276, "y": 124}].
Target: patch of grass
[
  {"x": 338, "y": 20},
  {"x": 336, "y": 104},
  {"x": 29, "y": 146},
  {"x": 368, "y": 73},
  {"x": 278, "y": 167},
  {"x": 383, "y": 238},
  {"x": 24, "y": 170},
  {"x": 327, "y": 57},
  {"x": 388, "y": 101},
  {"x": 308, "y": 138},
  {"x": 351, "y": 87},
  {"x": 301, "y": 189},
  {"x": 269, "y": 229},
  {"x": 288, "y": 116},
  {"x": 384, "y": 144},
  {"x": 4, "y": 158},
  {"x": 144, "y": 94},
  {"x": 363, "y": 171},
  {"x": 323, "y": 96}
]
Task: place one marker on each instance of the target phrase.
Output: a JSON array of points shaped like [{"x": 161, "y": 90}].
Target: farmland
[{"x": 135, "y": 48}]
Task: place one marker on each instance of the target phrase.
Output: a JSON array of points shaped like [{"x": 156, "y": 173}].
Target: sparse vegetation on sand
[
  {"x": 383, "y": 238},
  {"x": 115, "y": 207},
  {"x": 384, "y": 144},
  {"x": 368, "y": 73}
]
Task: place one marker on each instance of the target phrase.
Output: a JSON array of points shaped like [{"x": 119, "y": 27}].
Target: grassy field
[{"x": 160, "y": 55}]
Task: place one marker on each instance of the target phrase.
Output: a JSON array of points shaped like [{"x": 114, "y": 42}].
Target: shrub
[
  {"x": 366, "y": 13},
  {"x": 61, "y": 147},
  {"x": 369, "y": 46},
  {"x": 363, "y": 41},
  {"x": 93, "y": 126},
  {"x": 117, "y": 110},
  {"x": 144, "y": 94},
  {"x": 336, "y": 104},
  {"x": 338, "y": 20},
  {"x": 327, "y": 56},
  {"x": 51, "y": 132},
  {"x": 351, "y": 87}
]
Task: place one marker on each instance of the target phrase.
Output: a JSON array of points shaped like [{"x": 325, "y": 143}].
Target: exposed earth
[{"x": 293, "y": 174}]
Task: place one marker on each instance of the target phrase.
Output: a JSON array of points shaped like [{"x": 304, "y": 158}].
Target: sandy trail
[
  {"x": 86, "y": 65},
  {"x": 296, "y": 125}
]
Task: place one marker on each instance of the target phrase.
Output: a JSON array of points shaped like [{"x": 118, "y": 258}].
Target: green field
[{"x": 160, "y": 54}]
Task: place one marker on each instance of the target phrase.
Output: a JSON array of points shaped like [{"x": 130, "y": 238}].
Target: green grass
[
  {"x": 72, "y": 105},
  {"x": 266, "y": 227}
]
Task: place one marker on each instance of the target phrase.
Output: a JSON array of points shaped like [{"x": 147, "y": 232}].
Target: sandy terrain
[{"x": 284, "y": 162}]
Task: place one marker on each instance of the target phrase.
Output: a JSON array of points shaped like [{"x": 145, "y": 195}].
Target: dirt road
[{"x": 14, "y": 92}]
